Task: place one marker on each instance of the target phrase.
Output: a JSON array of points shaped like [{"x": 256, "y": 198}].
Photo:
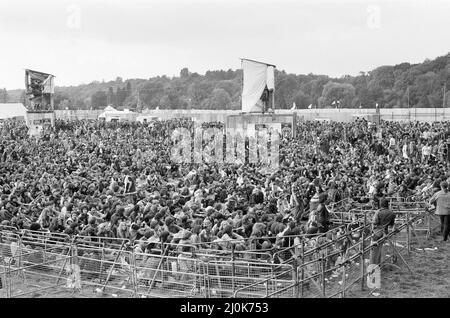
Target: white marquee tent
[{"x": 109, "y": 108}]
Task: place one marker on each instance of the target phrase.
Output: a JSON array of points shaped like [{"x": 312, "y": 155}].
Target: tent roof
[
  {"x": 10, "y": 110},
  {"x": 109, "y": 108},
  {"x": 116, "y": 113}
]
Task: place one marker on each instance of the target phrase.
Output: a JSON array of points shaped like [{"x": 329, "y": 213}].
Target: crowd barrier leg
[
  {"x": 394, "y": 249},
  {"x": 112, "y": 267},
  {"x": 9, "y": 285},
  {"x": 363, "y": 238},
  {"x": 233, "y": 269},
  {"x": 219, "y": 282},
  {"x": 295, "y": 277},
  {"x": 101, "y": 263},
  {"x": 303, "y": 269},
  {"x": 134, "y": 279},
  {"x": 157, "y": 270},
  {"x": 322, "y": 265},
  {"x": 21, "y": 272},
  {"x": 70, "y": 252},
  {"x": 4, "y": 282},
  {"x": 204, "y": 274},
  {"x": 408, "y": 238},
  {"x": 344, "y": 279}
]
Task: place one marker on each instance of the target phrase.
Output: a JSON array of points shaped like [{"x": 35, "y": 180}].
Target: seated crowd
[{"x": 117, "y": 180}]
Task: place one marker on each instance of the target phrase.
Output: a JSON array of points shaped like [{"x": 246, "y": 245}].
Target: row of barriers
[{"x": 38, "y": 264}]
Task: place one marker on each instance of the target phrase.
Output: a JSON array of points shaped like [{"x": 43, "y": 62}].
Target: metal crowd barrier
[{"x": 41, "y": 264}]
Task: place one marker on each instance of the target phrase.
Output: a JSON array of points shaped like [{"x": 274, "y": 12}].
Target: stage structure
[
  {"x": 259, "y": 86},
  {"x": 258, "y": 102},
  {"x": 40, "y": 90},
  {"x": 252, "y": 122}
]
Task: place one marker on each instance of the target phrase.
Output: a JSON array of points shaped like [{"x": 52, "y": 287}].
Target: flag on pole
[
  {"x": 293, "y": 106},
  {"x": 376, "y": 105},
  {"x": 310, "y": 106}
]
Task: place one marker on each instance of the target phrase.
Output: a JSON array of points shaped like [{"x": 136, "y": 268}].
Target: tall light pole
[
  {"x": 138, "y": 99},
  {"x": 443, "y": 99},
  {"x": 409, "y": 106}
]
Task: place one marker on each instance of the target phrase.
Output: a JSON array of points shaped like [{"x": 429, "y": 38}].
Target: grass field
[{"x": 430, "y": 277}]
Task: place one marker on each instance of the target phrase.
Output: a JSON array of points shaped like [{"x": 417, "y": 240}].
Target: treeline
[
  {"x": 4, "y": 96},
  {"x": 402, "y": 85}
]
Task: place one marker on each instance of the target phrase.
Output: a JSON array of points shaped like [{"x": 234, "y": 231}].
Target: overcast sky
[{"x": 84, "y": 40}]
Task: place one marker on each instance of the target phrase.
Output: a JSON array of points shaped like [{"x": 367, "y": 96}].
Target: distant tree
[
  {"x": 121, "y": 95},
  {"x": 199, "y": 91},
  {"x": 302, "y": 100},
  {"x": 230, "y": 86},
  {"x": 111, "y": 97},
  {"x": 383, "y": 77},
  {"x": 23, "y": 98},
  {"x": 59, "y": 98},
  {"x": 129, "y": 88},
  {"x": 334, "y": 92},
  {"x": 386, "y": 85},
  {"x": 164, "y": 102},
  {"x": 4, "y": 96},
  {"x": 220, "y": 99},
  {"x": 65, "y": 104},
  {"x": 287, "y": 87},
  {"x": 130, "y": 101},
  {"x": 184, "y": 73},
  {"x": 80, "y": 104},
  {"x": 99, "y": 100}
]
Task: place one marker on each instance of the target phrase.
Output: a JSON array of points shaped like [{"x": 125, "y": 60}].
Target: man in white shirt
[
  {"x": 426, "y": 152},
  {"x": 405, "y": 150},
  {"x": 392, "y": 142}
]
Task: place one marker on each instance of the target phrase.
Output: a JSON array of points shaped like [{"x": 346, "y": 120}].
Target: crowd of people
[{"x": 118, "y": 180}]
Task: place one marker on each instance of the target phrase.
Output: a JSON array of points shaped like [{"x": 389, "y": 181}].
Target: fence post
[
  {"x": 8, "y": 289},
  {"x": 101, "y": 263},
  {"x": 206, "y": 282},
  {"x": 74, "y": 262},
  {"x": 295, "y": 277},
  {"x": 303, "y": 267},
  {"x": 5, "y": 281},
  {"x": 233, "y": 269},
  {"x": 363, "y": 238},
  {"x": 322, "y": 262},
  {"x": 134, "y": 274},
  {"x": 408, "y": 234},
  {"x": 343, "y": 280},
  {"x": 22, "y": 272}
]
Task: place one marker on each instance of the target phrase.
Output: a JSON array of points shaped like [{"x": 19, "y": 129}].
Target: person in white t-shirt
[
  {"x": 426, "y": 152},
  {"x": 405, "y": 150},
  {"x": 392, "y": 142}
]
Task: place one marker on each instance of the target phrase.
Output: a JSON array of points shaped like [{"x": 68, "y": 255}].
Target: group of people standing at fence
[{"x": 118, "y": 180}]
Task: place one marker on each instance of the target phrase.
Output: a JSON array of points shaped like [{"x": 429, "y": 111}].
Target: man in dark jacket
[
  {"x": 323, "y": 216},
  {"x": 442, "y": 200},
  {"x": 383, "y": 219}
]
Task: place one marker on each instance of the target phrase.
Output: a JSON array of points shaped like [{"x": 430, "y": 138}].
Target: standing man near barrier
[
  {"x": 382, "y": 220},
  {"x": 442, "y": 200}
]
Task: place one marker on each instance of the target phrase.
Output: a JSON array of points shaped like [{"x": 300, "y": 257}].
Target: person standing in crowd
[
  {"x": 441, "y": 199},
  {"x": 426, "y": 152},
  {"x": 382, "y": 220}
]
